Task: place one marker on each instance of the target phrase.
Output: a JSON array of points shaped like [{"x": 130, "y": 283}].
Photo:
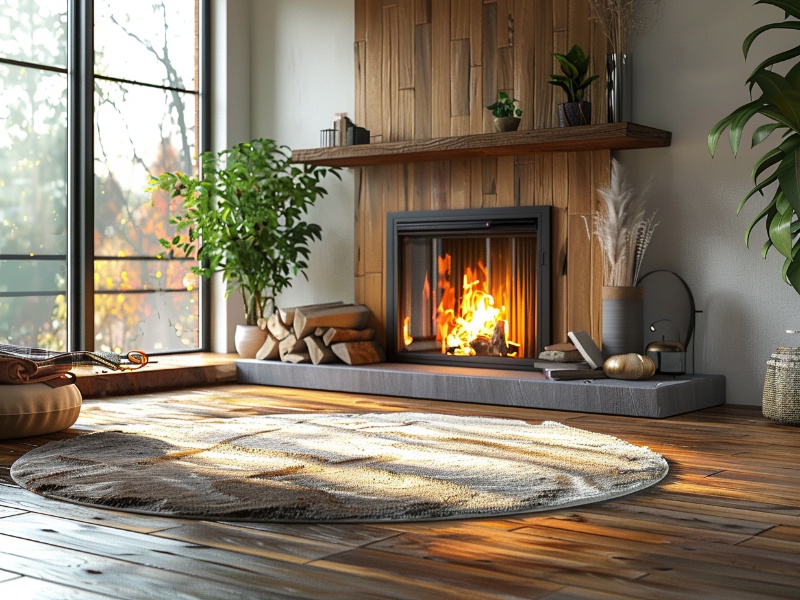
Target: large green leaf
[
  {"x": 775, "y": 59},
  {"x": 739, "y": 123},
  {"x": 780, "y": 232},
  {"x": 791, "y": 269},
  {"x": 716, "y": 131},
  {"x": 793, "y": 77},
  {"x": 763, "y": 132},
  {"x": 770, "y": 83},
  {"x": 767, "y": 210},
  {"x": 789, "y": 177},
  {"x": 765, "y": 248},
  {"x": 773, "y": 113},
  {"x": 567, "y": 67},
  {"x": 748, "y": 41},
  {"x": 790, "y": 7},
  {"x": 775, "y": 156},
  {"x": 788, "y": 102},
  {"x": 758, "y": 188}
]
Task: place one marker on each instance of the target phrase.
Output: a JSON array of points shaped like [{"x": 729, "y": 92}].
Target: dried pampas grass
[
  {"x": 617, "y": 19},
  {"x": 622, "y": 228}
]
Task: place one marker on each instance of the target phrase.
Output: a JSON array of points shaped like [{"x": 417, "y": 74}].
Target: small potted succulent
[
  {"x": 574, "y": 81},
  {"x": 505, "y": 112}
]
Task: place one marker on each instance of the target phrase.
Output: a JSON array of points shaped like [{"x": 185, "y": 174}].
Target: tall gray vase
[
  {"x": 623, "y": 320},
  {"x": 619, "y": 71}
]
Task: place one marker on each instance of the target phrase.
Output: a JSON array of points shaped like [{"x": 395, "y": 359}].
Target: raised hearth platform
[{"x": 657, "y": 398}]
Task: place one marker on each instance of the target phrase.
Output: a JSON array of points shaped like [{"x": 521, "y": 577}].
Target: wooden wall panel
[
  {"x": 405, "y": 45},
  {"x": 422, "y": 82},
  {"x": 459, "y": 78},
  {"x": 390, "y": 88},
  {"x": 428, "y": 68},
  {"x": 440, "y": 68}
]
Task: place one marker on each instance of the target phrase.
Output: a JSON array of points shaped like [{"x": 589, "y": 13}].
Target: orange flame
[
  {"x": 407, "y": 339},
  {"x": 479, "y": 327}
]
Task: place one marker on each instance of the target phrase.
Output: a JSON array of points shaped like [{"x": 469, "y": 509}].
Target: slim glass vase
[{"x": 619, "y": 71}]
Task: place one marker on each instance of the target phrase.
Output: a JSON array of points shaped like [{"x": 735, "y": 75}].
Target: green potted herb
[
  {"x": 779, "y": 108},
  {"x": 244, "y": 217},
  {"x": 505, "y": 112},
  {"x": 574, "y": 81}
]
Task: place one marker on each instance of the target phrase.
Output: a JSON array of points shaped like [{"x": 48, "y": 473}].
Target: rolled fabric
[{"x": 14, "y": 370}]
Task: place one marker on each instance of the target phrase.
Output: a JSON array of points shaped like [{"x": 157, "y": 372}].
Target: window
[{"x": 80, "y": 132}]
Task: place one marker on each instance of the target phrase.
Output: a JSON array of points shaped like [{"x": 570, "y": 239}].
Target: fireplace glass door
[{"x": 469, "y": 287}]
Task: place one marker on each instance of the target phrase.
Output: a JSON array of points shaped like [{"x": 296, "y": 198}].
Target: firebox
[{"x": 468, "y": 287}]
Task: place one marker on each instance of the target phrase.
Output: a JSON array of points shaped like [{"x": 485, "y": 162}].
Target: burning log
[{"x": 482, "y": 346}]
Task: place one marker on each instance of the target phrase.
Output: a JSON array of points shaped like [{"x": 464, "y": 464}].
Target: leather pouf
[{"x": 32, "y": 409}]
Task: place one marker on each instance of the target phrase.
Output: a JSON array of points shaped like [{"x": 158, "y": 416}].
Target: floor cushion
[{"x": 32, "y": 409}]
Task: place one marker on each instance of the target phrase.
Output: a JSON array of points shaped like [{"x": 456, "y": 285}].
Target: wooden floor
[{"x": 725, "y": 523}]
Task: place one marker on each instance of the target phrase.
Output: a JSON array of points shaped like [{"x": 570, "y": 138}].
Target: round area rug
[{"x": 339, "y": 468}]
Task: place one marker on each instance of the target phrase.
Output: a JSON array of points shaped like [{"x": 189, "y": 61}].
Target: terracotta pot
[
  {"x": 574, "y": 113},
  {"x": 248, "y": 339},
  {"x": 506, "y": 123}
]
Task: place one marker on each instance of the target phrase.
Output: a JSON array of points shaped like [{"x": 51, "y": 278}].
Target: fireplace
[{"x": 468, "y": 287}]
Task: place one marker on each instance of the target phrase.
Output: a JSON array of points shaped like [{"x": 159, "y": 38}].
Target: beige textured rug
[{"x": 340, "y": 467}]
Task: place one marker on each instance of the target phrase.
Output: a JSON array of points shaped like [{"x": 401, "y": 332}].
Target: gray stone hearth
[{"x": 657, "y": 398}]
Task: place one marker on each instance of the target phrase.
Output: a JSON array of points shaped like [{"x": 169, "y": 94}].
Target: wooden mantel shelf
[{"x": 609, "y": 136}]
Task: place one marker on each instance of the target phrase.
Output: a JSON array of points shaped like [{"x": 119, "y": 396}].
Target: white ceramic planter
[{"x": 248, "y": 339}]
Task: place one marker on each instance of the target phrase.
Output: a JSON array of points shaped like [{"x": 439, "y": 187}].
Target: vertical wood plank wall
[{"x": 427, "y": 69}]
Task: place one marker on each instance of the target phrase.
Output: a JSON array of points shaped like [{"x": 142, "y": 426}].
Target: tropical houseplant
[
  {"x": 244, "y": 217},
  {"x": 505, "y": 112},
  {"x": 778, "y": 105},
  {"x": 574, "y": 80}
]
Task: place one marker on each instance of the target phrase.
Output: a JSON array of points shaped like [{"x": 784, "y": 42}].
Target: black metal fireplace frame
[{"x": 536, "y": 217}]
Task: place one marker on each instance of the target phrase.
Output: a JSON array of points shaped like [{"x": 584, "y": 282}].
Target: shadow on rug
[{"x": 340, "y": 468}]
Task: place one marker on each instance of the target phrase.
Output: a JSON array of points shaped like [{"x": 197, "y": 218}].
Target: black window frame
[{"x": 80, "y": 171}]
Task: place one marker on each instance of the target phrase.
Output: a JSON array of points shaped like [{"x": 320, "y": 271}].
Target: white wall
[
  {"x": 281, "y": 69},
  {"x": 230, "y": 125},
  {"x": 689, "y": 72},
  {"x": 302, "y": 74}
]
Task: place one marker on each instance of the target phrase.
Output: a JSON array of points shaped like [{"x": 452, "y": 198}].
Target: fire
[
  {"x": 407, "y": 339},
  {"x": 479, "y": 327}
]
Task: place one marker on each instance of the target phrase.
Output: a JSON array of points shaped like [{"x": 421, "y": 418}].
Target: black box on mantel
[{"x": 357, "y": 135}]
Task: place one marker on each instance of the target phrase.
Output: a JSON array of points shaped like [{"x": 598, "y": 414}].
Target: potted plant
[
  {"x": 505, "y": 112},
  {"x": 778, "y": 107},
  {"x": 243, "y": 217},
  {"x": 574, "y": 81}
]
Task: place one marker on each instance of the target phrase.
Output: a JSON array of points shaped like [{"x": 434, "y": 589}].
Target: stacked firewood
[{"x": 319, "y": 334}]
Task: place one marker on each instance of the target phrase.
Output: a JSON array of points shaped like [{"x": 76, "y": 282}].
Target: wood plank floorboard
[{"x": 725, "y": 522}]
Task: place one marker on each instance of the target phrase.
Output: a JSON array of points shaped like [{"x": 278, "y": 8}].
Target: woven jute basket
[{"x": 781, "y": 400}]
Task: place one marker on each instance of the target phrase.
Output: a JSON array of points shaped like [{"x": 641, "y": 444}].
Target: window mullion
[{"x": 80, "y": 249}]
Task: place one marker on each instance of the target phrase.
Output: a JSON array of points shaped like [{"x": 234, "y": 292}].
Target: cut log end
[{"x": 359, "y": 353}]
